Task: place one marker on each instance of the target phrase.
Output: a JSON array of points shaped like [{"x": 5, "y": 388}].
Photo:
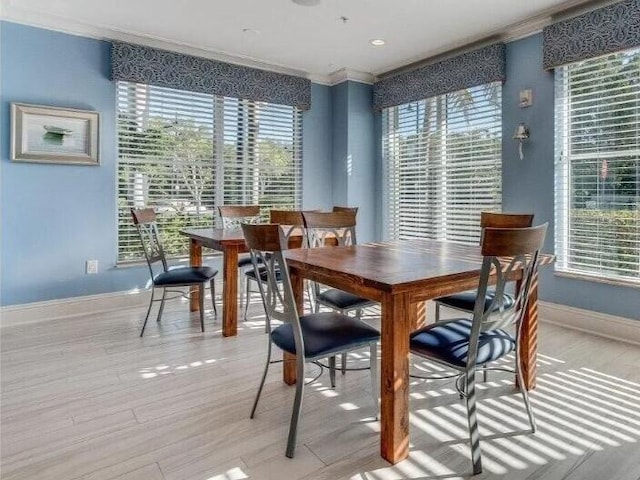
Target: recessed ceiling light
[
  {"x": 307, "y": 3},
  {"x": 377, "y": 42}
]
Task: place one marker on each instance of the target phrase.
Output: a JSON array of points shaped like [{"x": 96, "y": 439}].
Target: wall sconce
[{"x": 521, "y": 133}]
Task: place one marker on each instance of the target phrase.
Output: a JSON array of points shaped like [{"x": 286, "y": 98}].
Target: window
[
  {"x": 598, "y": 167},
  {"x": 184, "y": 153},
  {"x": 442, "y": 161}
]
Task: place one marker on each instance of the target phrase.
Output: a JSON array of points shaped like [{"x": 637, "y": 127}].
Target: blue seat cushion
[
  {"x": 184, "y": 276},
  {"x": 467, "y": 300},
  {"x": 263, "y": 274},
  {"x": 342, "y": 300},
  {"x": 325, "y": 334},
  {"x": 244, "y": 262},
  {"x": 449, "y": 341}
]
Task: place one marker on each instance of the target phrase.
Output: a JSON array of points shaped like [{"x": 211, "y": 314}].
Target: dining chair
[
  {"x": 232, "y": 217},
  {"x": 166, "y": 277},
  {"x": 292, "y": 223},
  {"x": 311, "y": 338},
  {"x": 465, "y": 301},
  {"x": 334, "y": 228},
  {"x": 464, "y": 345}
]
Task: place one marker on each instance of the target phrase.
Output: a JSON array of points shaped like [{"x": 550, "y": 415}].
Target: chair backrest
[
  {"x": 145, "y": 221},
  {"x": 505, "y": 251},
  {"x": 338, "y": 208},
  {"x": 292, "y": 223},
  {"x": 330, "y": 227},
  {"x": 505, "y": 220},
  {"x": 234, "y": 215},
  {"x": 267, "y": 243}
]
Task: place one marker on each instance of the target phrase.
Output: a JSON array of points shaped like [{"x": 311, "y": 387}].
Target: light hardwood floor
[{"x": 85, "y": 398}]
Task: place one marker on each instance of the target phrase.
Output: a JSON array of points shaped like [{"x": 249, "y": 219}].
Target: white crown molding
[
  {"x": 346, "y": 74},
  {"x": 12, "y": 13}
]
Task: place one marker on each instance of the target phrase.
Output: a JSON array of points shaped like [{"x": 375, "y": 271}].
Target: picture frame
[{"x": 44, "y": 134}]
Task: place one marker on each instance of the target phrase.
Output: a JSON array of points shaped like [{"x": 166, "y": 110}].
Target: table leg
[
  {"x": 289, "y": 364},
  {"x": 230, "y": 291},
  {"x": 398, "y": 315},
  {"x": 529, "y": 337},
  {"x": 195, "y": 260}
]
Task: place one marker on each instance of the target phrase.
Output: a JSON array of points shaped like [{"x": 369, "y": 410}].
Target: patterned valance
[
  {"x": 137, "y": 63},
  {"x": 472, "y": 68},
  {"x": 605, "y": 30}
]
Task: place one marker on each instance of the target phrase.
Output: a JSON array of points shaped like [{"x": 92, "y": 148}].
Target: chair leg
[
  {"x": 343, "y": 363},
  {"x": 148, "y": 312},
  {"x": 202, "y": 306},
  {"x": 164, "y": 295},
  {"x": 212, "y": 283},
  {"x": 474, "y": 432},
  {"x": 297, "y": 405},
  {"x": 264, "y": 377},
  {"x": 241, "y": 284},
  {"x": 437, "y": 312},
  {"x": 373, "y": 361},
  {"x": 332, "y": 371},
  {"x": 248, "y": 297},
  {"x": 525, "y": 393}
]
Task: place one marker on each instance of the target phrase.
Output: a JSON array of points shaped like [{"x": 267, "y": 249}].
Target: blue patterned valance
[
  {"x": 605, "y": 30},
  {"x": 137, "y": 63},
  {"x": 472, "y": 68}
]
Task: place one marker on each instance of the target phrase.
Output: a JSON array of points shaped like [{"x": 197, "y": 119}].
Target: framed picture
[{"x": 54, "y": 135}]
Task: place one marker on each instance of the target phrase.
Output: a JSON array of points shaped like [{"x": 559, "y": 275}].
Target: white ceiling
[{"x": 309, "y": 40}]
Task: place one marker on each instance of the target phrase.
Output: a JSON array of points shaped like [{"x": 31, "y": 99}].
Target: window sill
[{"x": 597, "y": 279}]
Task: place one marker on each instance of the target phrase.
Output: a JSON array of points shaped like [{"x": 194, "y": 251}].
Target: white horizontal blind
[
  {"x": 184, "y": 153},
  {"x": 598, "y": 167},
  {"x": 262, "y": 152},
  {"x": 442, "y": 164}
]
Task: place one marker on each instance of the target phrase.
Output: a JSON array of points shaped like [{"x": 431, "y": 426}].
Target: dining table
[{"x": 401, "y": 275}]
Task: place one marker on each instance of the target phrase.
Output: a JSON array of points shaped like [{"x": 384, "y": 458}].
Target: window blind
[
  {"x": 184, "y": 153},
  {"x": 598, "y": 167},
  {"x": 442, "y": 164}
]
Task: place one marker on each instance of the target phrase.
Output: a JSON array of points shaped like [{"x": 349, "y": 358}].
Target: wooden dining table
[{"x": 401, "y": 275}]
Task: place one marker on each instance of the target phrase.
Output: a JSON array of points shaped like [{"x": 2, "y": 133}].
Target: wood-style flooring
[{"x": 84, "y": 398}]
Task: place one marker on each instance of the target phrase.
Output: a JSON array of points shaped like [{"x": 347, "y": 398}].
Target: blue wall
[
  {"x": 529, "y": 185},
  {"x": 354, "y": 158},
  {"x": 54, "y": 217}
]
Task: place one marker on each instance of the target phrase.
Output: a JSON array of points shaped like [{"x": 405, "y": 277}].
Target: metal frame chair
[
  {"x": 338, "y": 228},
  {"x": 147, "y": 227},
  {"x": 317, "y": 335},
  {"x": 232, "y": 217},
  {"x": 465, "y": 345},
  {"x": 465, "y": 302},
  {"x": 291, "y": 222}
]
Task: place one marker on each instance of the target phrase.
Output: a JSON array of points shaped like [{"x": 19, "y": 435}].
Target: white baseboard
[
  {"x": 617, "y": 328},
  {"x": 69, "y": 307},
  {"x": 601, "y": 324}
]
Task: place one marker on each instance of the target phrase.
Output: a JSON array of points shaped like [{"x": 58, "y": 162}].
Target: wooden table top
[
  {"x": 396, "y": 265},
  {"x": 221, "y": 235}
]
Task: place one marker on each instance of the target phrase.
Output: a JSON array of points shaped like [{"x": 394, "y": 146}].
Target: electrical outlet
[{"x": 91, "y": 267}]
